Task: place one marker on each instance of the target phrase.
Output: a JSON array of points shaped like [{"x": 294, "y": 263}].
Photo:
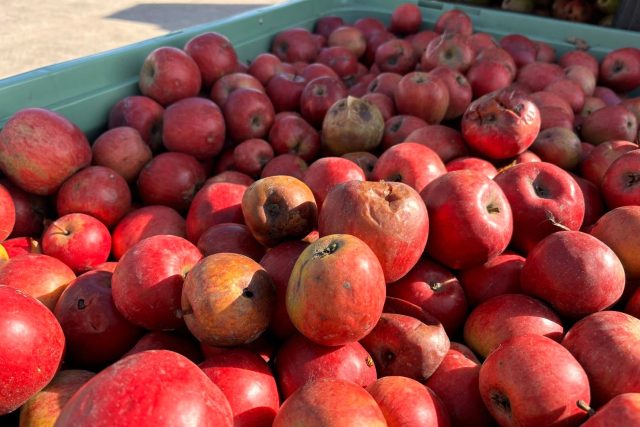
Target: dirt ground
[{"x": 35, "y": 33}]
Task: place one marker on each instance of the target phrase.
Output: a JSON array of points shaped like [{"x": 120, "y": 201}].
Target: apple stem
[
  {"x": 585, "y": 407},
  {"x": 60, "y": 229}
]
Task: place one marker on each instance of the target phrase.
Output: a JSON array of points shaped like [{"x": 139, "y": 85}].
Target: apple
[
  {"x": 398, "y": 128},
  {"x": 230, "y": 238},
  {"x": 284, "y": 90},
  {"x": 558, "y": 145},
  {"x": 604, "y": 340},
  {"x": 500, "y": 55},
  {"x": 544, "y": 199},
  {"x": 607, "y": 95},
  {"x": 336, "y": 290},
  {"x": 214, "y": 54},
  {"x": 251, "y": 155},
  {"x": 405, "y": 401},
  {"x": 480, "y": 41},
  {"x": 498, "y": 276},
  {"x": 7, "y": 213},
  {"x": 300, "y": 360},
  {"x": 340, "y": 59},
  {"x": 386, "y": 83},
  {"x": 403, "y": 345},
  {"x": 45, "y": 406},
  {"x": 227, "y": 300},
  {"x": 248, "y": 114},
  {"x": 536, "y": 76},
  {"x": 79, "y": 240},
  {"x": 473, "y": 163},
  {"x": 231, "y": 176},
  {"x": 264, "y": 66},
  {"x": 171, "y": 179},
  {"x": 456, "y": 383},
  {"x": 30, "y": 210},
  {"x": 382, "y": 102},
  {"x": 454, "y": 21},
  {"x": 545, "y": 52},
  {"x": 422, "y": 95},
  {"x": 533, "y": 380},
  {"x": 460, "y": 92},
  {"x": 325, "y": 25},
  {"x": 446, "y": 141},
  {"x": 147, "y": 282},
  {"x": 141, "y": 113},
  {"x": 620, "y": 182},
  {"x": 618, "y": 229},
  {"x": 594, "y": 206},
  {"x": 505, "y": 316},
  {"x": 395, "y": 56},
  {"x": 435, "y": 290},
  {"x": 294, "y": 44},
  {"x": 622, "y": 410},
  {"x": 96, "y": 333},
  {"x": 620, "y": 69},
  {"x": 155, "y": 385},
  {"x": 470, "y": 217},
  {"x": 19, "y": 246},
  {"x": 522, "y": 49},
  {"x": 285, "y": 164},
  {"x": 40, "y": 149},
  {"x": 315, "y": 70},
  {"x": 327, "y": 172},
  {"x": 169, "y": 74},
  {"x": 247, "y": 382},
  {"x": 365, "y": 160},
  {"x": 32, "y": 350},
  {"x": 318, "y": 96},
  {"x": 574, "y": 272},
  {"x": 145, "y": 222},
  {"x": 294, "y": 135},
  {"x": 193, "y": 126},
  {"x": 582, "y": 76},
  {"x": 352, "y": 124},
  {"x": 580, "y": 57},
  {"x": 183, "y": 344},
  {"x": 123, "y": 150},
  {"x": 374, "y": 41},
  {"x": 420, "y": 41},
  {"x": 405, "y": 19},
  {"x": 448, "y": 50},
  {"x": 389, "y": 217},
  {"x": 228, "y": 83},
  {"x": 330, "y": 401},
  {"x": 501, "y": 124},
  {"x": 488, "y": 76}
]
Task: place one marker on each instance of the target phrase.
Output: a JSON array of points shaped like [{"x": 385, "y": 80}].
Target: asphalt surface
[{"x": 36, "y": 33}]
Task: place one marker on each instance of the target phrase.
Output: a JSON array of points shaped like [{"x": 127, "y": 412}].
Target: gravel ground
[{"x": 36, "y": 33}]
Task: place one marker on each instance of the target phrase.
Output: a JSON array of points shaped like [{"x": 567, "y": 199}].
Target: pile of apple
[{"x": 369, "y": 225}]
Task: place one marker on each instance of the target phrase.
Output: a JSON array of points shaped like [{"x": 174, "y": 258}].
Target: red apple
[
  {"x": 230, "y": 176},
  {"x": 145, "y": 222},
  {"x": 448, "y": 50},
  {"x": 141, "y": 113},
  {"x": 284, "y": 90},
  {"x": 618, "y": 229},
  {"x": 544, "y": 199},
  {"x": 406, "y": 19},
  {"x": 384, "y": 104},
  {"x": 248, "y": 114},
  {"x": 608, "y": 96},
  {"x": 582, "y": 76},
  {"x": 30, "y": 210},
  {"x": 470, "y": 217},
  {"x": 230, "y": 238},
  {"x": 315, "y": 70},
  {"x": 96, "y": 333},
  {"x": 294, "y": 135},
  {"x": 79, "y": 240},
  {"x": 473, "y": 163},
  {"x": 364, "y": 159},
  {"x": 620, "y": 69},
  {"x": 295, "y": 44},
  {"x": 33, "y": 345},
  {"x": 454, "y": 21},
  {"x": 264, "y": 66},
  {"x": 488, "y": 76},
  {"x": 460, "y": 92},
  {"x": 532, "y": 380},
  {"x": 422, "y": 95},
  {"x": 385, "y": 83},
  {"x": 285, "y": 164},
  {"x": 498, "y": 276},
  {"x": 545, "y": 52},
  {"x": 214, "y": 54},
  {"x": 116, "y": 397},
  {"x": 606, "y": 345},
  {"x": 389, "y": 217},
  {"x": 558, "y": 145},
  {"x": 399, "y": 127},
  {"x": 620, "y": 182},
  {"x": 522, "y": 49},
  {"x": 169, "y": 74},
  {"x": 609, "y": 123},
  {"x": 406, "y": 402},
  {"x": 327, "y": 172},
  {"x": 446, "y": 141},
  {"x": 480, "y": 41},
  {"x": 580, "y": 57},
  {"x": 40, "y": 149},
  {"x": 536, "y": 76},
  {"x": 123, "y": 150},
  {"x": 395, "y": 56},
  {"x": 251, "y": 155},
  {"x": 7, "y": 213},
  {"x": 171, "y": 179},
  {"x": 228, "y": 83},
  {"x": 20, "y": 246},
  {"x": 318, "y": 96},
  {"x": 185, "y": 345},
  {"x": 325, "y": 25},
  {"x": 147, "y": 282},
  {"x": 622, "y": 410},
  {"x": 340, "y": 59}
]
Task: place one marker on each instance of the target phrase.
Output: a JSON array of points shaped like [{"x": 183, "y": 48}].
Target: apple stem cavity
[
  {"x": 633, "y": 179},
  {"x": 81, "y": 305},
  {"x": 585, "y": 407},
  {"x": 501, "y": 401},
  {"x": 247, "y": 293}
]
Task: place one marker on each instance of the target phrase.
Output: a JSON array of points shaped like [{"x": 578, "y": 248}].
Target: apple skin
[
  {"x": 227, "y": 300},
  {"x": 558, "y": 145},
  {"x": 395, "y": 56},
  {"x": 460, "y": 91},
  {"x": 78, "y": 240},
  {"x": 40, "y": 149},
  {"x": 444, "y": 140},
  {"x": 604, "y": 340},
  {"x": 580, "y": 57},
  {"x": 595, "y": 165},
  {"x": 365, "y": 160},
  {"x": 481, "y": 84},
  {"x": 501, "y": 124},
  {"x": 45, "y": 406},
  {"x": 470, "y": 217},
  {"x": 39, "y": 276},
  {"x": 330, "y": 402},
  {"x": 248, "y": 114},
  {"x": 123, "y": 150},
  {"x": 405, "y": 19},
  {"x": 141, "y": 113},
  {"x": 264, "y": 66},
  {"x": 531, "y": 380},
  {"x": 172, "y": 383},
  {"x": 505, "y": 316},
  {"x": 96, "y": 333},
  {"x": 613, "y": 122},
  {"x": 403, "y": 345},
  {"x": 620, "y": 182},
  {"x": 215, "y": 203},
  {"x": 294, "y": 135},
  {"x": 583, "y": 77},
  {"x": 285, "y": 164},
  {"x": 574, "y": 272},
  {"x": 544, "y": 199},
  {"x": 250, "y": 156},
  {"x": 247, "y": 382},
  {"x": 349, "y": 37},
  {"x": 214, "y": 54},
  {"x": 384, "y": 103},
  {"x": 145, "y": 222},
  {"x": 390, "y": 217},
  {"x": 569, "y": 90},
  {"x": 473, "y": 163},
  {"x": 7, "y": 213},
  {"x": 20, "y": 246},
  {"x": 480, "y": 41},
  {"x": 622, "y": 410},
  {"x": 386, "y": 83},
  {"x": 436, "y": 290},
  {"x": 327, "y": 172},
  {"x": 32, "y": 350},
  {"x": 171, "y": 179},
  {"x": 498, "y": 276},
  {"x": 342, "y": 269},
  {"x": 455, "y": 382},
  {"x": 294, "y": 44},
  {"x": 318, "y": 96},
  {"x": 620, "y": 69},
  {"x": 168, "y": 74},
  {"x": 300, "y": 360},
  {"x": 147, "y": 282},
  {"x": 410, "y": 163},
  {"x": 522, "y": 49},
  {"x": 230, "y": 238},
  {"x": 398, "y": 128},
  {"x": 184, "y": 344},
  {"x": 594, "y": 206},
  {"x": 325, "y": 25},
  {"x": 30, "y": 210},
  {"x": 536, "y": 76},
  {"x": 619, "y": 229},
  {"x": 422, "y": 95},
  {"x": 228, "y": 83},
  {"x": 340, "y": 59},
  {"x": 454, "y": 21},
  {"x": 193, "y": 126},
  {"x": 448, "y": 50},
  {"x": 406, "y": 402}
]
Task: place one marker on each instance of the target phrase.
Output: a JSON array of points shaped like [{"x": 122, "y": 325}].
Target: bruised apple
[{"x": 352, "y": 124}]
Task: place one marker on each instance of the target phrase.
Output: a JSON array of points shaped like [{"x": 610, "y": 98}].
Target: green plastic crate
[{"x": 84, "y": 90}]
